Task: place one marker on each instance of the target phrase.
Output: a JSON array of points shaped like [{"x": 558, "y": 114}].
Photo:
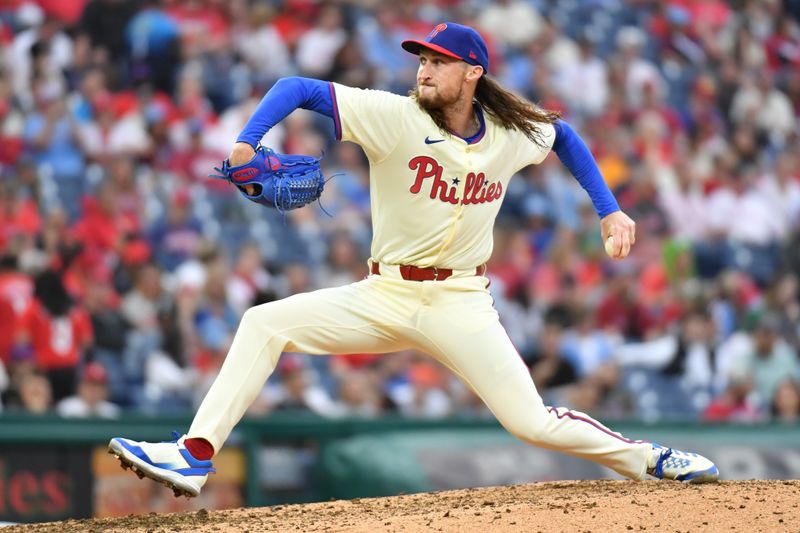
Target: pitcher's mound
[{"x": 599, "y": 506}]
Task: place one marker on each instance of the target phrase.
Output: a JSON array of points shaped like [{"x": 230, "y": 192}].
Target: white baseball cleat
[
  {"x": 169, "y": 463},
  {"x": 668, "y": 463}
]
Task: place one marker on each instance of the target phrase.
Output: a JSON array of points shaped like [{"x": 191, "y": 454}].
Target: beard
[
  {"x": 434, "y": 104},
  {"x": 433, "y": 100}
]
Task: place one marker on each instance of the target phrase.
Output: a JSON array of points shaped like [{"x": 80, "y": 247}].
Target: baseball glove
[{"x": 280, "y": 181}]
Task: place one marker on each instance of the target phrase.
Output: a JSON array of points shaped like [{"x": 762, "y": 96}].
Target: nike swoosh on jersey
[{"x": 434, "y": 141}]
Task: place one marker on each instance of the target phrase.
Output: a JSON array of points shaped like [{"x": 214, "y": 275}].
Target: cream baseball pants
[{"x": 453, "y": 320}]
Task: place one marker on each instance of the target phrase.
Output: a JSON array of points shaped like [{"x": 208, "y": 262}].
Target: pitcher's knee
[
  {"x": 261, "y": 317},
  {"x": 259, "y": 329},
  {"x": 526, "y": 430},
  {"x": 533, "y": 425}
]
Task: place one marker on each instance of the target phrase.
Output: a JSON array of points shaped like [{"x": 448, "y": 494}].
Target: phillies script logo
[{"x": 476, "y": 189}]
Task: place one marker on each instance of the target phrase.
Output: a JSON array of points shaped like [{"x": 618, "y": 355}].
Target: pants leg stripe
[{"x": 605, "y": 430}]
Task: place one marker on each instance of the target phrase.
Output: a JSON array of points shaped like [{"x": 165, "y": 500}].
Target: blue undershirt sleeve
[
  {"x": 575, "y": 155},
  {"x": 284, "y": 97}
]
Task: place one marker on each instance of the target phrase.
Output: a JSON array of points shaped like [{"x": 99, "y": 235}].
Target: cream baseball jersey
[{"x": 434, "y": 197}]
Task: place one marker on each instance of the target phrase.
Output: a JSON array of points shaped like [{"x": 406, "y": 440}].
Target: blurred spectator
[
  {"x": 215, "y": 320},
  {"x": 558, "y": 50},
  {"x": 91, "y": 400},
  {"x": 786, "y": 403},
  {"x": 685, "y": 205},
  {"x": 587, "y": 347},
  {"x": 768, "y": 362},
  {"x": 169, "y": 379},
  {"x": 318, "y": 46},
  {"x": 225, "y": 81},
  {"x": 528, "y": 23},
  {"x": 140, "y": 305},
  {"x": 110, "y": 334},
  {"x": 781, "y": 190},
  {"x": 588, "y": 71},
  {"x": 639, "y": 73},
  {"x": 734, "y": 405},
  {"x": 297, "y": 278},
  {"x": 652, "y": 221},
  {"x": 34, "y": 395},
  {"x": 348, "y": 193},
  {"x": 550, "y": 367},
  {"x": 344, "y": 264},
  {"x": 110, "y": 132},
  {"x": 679, "y": 41},
  {"x": 16, "y": 293},
  {"x": 152, "y": 42},
  {"x": 422, "y": 391},
  {"x": 378, "y": 36},
  {"x": 747, "y": 48},
  {"x": 121, "y": 175},
  {"x": 59, "y": 331},
  {"x": 783, "y": 296},
  {"x": 103, "y": 25},
  {"x": 620, "y": 313},
  {"x": 743, "y": 213},
  {"x": 51, "y": 134},
  {"x": 168, "y": 386},
  {"x": 258, "y": 35},
  {"x": 192, "y": 96},
  {"x": 249, "y": 282},
  {"x": 104, "y": 228},
  {"x": 349, "y": 66},
  {"x": 12, "y": 122},
  {"x": 358, "y": 394},
  {"x": 21, "y": 364},
  {"x": 40, "y": 55},
  {"x": 296, "y": 390},
  {"x": 688, "y": 354},
  {"x": 758, "y": 101},
  {"x": 19, "y": 219},
  {"x": 8, "y": 331},
  {"x": 783, "y": 47},
  {"x": 176, "y": 236},
  {"x": 3, "y": 383},
  {"x": 512, "y": 261},
  {"x": 202, "y": 25}
]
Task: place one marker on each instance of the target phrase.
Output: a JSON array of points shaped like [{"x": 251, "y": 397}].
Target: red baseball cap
[{"x": 453, "y": 40}]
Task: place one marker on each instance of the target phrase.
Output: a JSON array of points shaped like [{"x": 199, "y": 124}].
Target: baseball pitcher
[{"x": 440, "y": 162}]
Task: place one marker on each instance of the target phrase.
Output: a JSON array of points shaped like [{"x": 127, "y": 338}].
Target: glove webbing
[{"x": 299, "y": 193}]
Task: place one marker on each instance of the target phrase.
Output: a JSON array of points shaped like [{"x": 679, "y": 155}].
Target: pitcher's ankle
[{"x": 199, "y": 448}]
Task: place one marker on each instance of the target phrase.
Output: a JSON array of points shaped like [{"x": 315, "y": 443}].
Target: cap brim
[{"x": 414, "y": 46}]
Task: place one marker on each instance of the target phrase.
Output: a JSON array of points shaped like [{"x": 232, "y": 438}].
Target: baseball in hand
[{"x": 610, "y": 246}]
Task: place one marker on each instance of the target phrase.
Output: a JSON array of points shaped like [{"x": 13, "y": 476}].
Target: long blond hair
[{"x": 509, "y": 110}]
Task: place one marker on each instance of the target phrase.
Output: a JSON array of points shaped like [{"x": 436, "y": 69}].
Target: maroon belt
[{"x": 412, "y": 273}]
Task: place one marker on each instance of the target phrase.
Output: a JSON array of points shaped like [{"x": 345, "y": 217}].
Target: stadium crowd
[{"x": 125, "y": 270}]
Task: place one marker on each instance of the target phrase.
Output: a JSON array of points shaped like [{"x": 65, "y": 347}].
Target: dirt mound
[{"x": 599, "y": 506}]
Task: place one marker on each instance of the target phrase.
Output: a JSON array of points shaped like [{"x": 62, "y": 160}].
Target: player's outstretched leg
[
  {"x": 169, "y": 463},
  {"x": 338, "y": 320},
  {"x": 476, "y": 347},
  {"x": 669, "y": 463}
]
